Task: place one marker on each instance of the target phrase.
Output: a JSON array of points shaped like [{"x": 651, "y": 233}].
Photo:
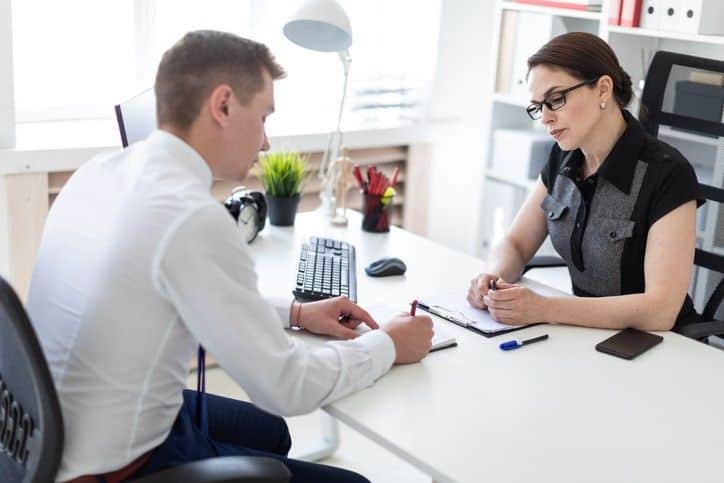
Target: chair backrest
[
  {"x": 686, "y": 94},
  {"x": 31, "y": 425},
  {"x": 136, "y": 117}
]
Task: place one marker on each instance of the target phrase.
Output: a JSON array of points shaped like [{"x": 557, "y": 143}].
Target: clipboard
[{"x": 481, "y": 323}]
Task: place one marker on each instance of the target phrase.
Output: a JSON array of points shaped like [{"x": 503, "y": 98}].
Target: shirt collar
[
  {"x": 182, "y": 153},
  {"x": 620, "y": 164}
]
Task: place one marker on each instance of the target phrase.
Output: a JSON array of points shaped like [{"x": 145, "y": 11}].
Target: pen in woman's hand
[
  {"x": 493, "y": 285},
  {"x": 413, "y": 307}
]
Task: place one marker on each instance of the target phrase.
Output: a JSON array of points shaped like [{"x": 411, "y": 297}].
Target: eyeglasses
[{"x": 554, "y": 101}]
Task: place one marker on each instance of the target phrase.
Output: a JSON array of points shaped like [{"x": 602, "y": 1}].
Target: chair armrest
[
  {"x": 716, "y": 341},
  {"x": 544, "y": 261},
  {"x": 701, "y": 330},
  {"x": 226, "y": 469}
]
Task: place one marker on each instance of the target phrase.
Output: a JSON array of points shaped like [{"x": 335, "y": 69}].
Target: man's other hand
[{"x": 337, "y": 317}]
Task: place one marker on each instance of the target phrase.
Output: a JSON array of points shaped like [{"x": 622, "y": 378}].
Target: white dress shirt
[{"x": 137, "y": 266}]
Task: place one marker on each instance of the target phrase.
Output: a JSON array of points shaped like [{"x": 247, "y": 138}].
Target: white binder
[
  {"x": 651, "y": 14},
  {"x": 671, "y": 14},
  {"x": 533, "y": 31},
  {"x": 704, "y": 17}
]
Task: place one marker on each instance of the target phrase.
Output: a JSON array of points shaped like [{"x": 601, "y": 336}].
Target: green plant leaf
[{"x": 282, "y": 173}]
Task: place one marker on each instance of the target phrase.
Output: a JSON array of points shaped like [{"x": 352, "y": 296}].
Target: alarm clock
[{"x": 248, "y": 208}]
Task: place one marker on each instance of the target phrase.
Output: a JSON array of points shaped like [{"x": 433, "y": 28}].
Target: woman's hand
[
  {"x": 337, "y": 317},
  {"x": 515, "y": 305},
  {"x": 479, "y": 287}
]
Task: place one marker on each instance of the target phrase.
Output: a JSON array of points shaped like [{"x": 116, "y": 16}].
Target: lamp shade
[{"x": 320, "y": 25}]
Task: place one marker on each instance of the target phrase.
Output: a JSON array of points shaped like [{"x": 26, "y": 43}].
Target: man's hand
[
  {"x": 412, "y": 337},
  {"x": 337, "y": 317},
  {"x": 479, "y": 287},
  {"x": 516, "y": 305}
]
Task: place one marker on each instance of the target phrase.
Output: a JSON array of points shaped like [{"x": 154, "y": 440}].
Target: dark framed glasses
[{"x": 554, "y": 101}]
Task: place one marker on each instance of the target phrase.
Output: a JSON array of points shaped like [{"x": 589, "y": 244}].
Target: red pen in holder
[{"x": 377, "y": 196}]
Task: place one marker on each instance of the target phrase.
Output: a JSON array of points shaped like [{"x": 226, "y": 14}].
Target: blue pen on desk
[{"x": 514, "y": 344}]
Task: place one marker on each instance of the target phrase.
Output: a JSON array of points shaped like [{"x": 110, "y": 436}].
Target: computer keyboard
[{"x": 326, "y": 269}]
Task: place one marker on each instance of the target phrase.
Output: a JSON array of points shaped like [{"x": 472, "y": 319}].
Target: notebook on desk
[
  {"x": 457, "y": 310},
  {"x": 382, "y": 313}
]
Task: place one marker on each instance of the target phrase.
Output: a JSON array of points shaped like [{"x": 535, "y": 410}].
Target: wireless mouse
[{"x": 385, "y": 267}]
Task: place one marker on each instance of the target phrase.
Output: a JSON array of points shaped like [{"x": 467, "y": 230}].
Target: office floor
[{"x": 355, "y": 453}]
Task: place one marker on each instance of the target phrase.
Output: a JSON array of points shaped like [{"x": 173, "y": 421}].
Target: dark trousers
[{"x": 236, "y": 428}]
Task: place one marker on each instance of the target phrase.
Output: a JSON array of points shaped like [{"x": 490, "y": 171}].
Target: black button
[
  {"x": 551, "y": 214},
  {"x": 689, "y": 13},
  {"x": 612, "y": 234}
]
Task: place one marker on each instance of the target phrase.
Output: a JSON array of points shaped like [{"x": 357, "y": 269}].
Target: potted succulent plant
[{"x": 282, "y": 175}]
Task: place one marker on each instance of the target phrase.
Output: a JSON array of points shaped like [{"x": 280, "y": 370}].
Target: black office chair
[
  {"x": 31, "y": 425},
  {"x": 671, "y": 99}
]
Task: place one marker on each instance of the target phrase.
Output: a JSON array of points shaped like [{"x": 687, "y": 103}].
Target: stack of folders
[
  {"x": 521, "y": 35},
  {"x": 590, "y": 5}
]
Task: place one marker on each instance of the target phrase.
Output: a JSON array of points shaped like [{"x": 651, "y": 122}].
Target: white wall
[
  {"x": 458, "y": 121},
  {"x": 7, "y": 120},
  {"x": 7, "y": 103}
]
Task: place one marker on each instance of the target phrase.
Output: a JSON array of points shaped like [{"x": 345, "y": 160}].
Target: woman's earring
[{"x": 603, "y": 105}]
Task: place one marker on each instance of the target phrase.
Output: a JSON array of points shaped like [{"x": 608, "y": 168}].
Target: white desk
[{"x": 557, "y": 411}]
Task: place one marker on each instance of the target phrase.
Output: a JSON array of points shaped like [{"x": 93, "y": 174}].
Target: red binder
[
  {"x": 614, "y": 12},
  {"x": 630, "y": 13}
]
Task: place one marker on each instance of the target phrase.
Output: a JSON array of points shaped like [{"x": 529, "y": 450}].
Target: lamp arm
[
  {"x": 335, "y": 138},
  {"x": 346, "y": 59}
]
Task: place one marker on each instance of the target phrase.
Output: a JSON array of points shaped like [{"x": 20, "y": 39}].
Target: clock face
[{"x": 247, "y": 222}]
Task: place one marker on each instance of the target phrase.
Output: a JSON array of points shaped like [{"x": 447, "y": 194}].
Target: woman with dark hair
[{"x": 618, "y": 204}]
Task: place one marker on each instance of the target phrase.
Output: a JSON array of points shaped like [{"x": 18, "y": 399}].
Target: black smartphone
[{"x": 628, "y": 343}]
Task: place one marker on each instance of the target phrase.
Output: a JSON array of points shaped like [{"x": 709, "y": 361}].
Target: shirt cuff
[
  {"x": 381, "y": 349},
  {"x": 282, "y": 306}
]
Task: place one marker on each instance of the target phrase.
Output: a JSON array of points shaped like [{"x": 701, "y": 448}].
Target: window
[
  {"x": 71, "y": 59},
  {"x": 77, "y": 58}
]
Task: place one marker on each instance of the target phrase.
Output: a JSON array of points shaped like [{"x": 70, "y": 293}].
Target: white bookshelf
[
  {"x": 662, "y": 34},
  {"x": 507, "y": 110}
]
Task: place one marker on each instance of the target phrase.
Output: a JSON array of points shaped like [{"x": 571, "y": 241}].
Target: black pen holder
[{"x": 376, "y": 213}]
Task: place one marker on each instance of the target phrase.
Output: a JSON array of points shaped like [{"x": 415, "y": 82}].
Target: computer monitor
[{"x": 136, "y": 117}]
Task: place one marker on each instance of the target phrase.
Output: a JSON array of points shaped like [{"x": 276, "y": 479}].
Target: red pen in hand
[{"x": 413, "y": 307}]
